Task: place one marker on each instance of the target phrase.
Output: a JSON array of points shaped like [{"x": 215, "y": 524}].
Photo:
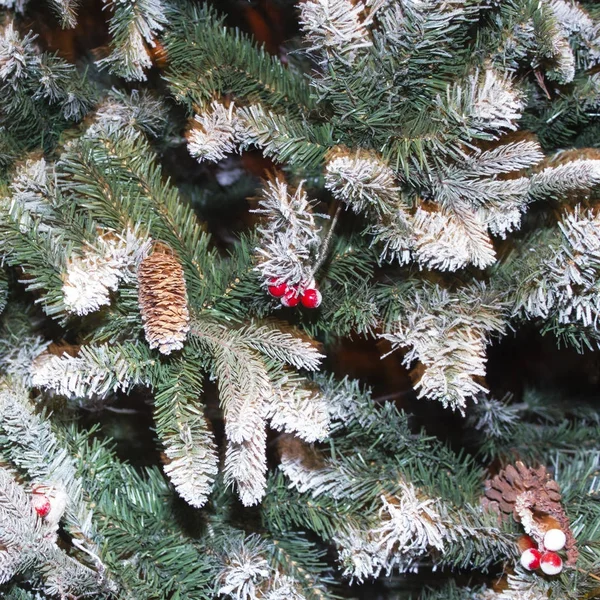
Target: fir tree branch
[
  {"x": 272, "y": 340},
  {"x": 229, "y": 62},
  {"x": 133, "y": 26},
  {"x": 95, "y": 371},
  {"x": 182, "y": 429},
  {"x": 41, "y": 93},
  {"x": 286, "y": 139},
  {"x": 30, "y": 443},
  {"x": 102, "y": 176},
  {"x": 67, "y": 11}
]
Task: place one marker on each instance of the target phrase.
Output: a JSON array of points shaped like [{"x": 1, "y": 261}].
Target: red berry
[
  {"x": 311, "y": 298},
  {"x": 41, "y": 505},
  {"x": 551, "y": 563},
  {"x": 277, "y": 290},
  {"x": 530, "y": 559},
  {"x": 291, "y": 297}
]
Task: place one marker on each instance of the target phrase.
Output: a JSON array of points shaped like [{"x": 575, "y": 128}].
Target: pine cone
[
  {"x": 534, "y": 500},
  {"x": 503, "y": 490},
  {"x": 163, "y": 300}
]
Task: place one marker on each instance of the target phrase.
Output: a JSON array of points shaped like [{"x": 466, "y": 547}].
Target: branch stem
[{"x": 327, "y": 241}]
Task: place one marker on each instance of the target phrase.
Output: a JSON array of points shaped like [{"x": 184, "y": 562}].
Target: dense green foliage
[{"x": 429, "y": 167}]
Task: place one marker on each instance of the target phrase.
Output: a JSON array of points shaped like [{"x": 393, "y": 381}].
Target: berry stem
[{"x": 326, "y": 241}]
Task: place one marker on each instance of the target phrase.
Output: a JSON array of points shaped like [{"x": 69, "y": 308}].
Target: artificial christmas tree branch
[{"x": 142, "y": 301}]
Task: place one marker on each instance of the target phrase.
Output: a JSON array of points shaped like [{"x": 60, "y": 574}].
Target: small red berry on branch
[
  {"x": 277, "y": 290},
  {"x": 530, "y": 559},
  {"x": 311, "y": 298},
  {"x": 291, "y": 297},
  {"x": 41, "y": 504},
  {"x": 49, "y": 503},
  {"x": 551, "y": 563}
]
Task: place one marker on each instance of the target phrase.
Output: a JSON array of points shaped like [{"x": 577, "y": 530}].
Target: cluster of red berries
[
  {"x": 290, "y": 294},
  {"x": 547, "y": 559}
]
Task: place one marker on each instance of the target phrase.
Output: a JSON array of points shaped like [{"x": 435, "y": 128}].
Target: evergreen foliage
[{"x": 433, "y": 175}]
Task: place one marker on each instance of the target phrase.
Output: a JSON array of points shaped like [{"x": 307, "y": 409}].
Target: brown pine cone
[
  {"x": 163, "y": 300},
  {"x": 502, "y": 491},
  {"x": 533, "y": 498}
]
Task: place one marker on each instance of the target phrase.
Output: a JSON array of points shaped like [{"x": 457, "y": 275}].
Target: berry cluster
[
  {"x": 546, "y": 557},
  {"x": 290, "y": 295}
]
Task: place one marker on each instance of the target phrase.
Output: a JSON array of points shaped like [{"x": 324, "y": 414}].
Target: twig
[
  {"x": 588, "y": 574},
  {"x": 325, "y": 245},
  {"x": 122, "y": 411},
  {"x": 79, "y": 544}
]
